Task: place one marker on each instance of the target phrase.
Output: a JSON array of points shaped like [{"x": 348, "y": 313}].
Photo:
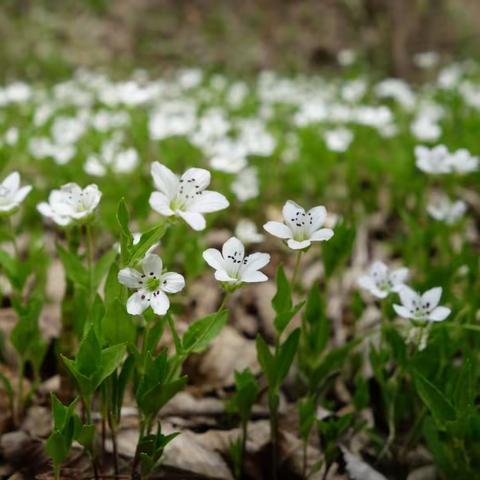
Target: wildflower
[
  {"x": 152, "y": 286},
  {"x": 338, "y": 139},
  {"x": 426, "y": 60},
  {"x": 247, "y": 232},
  {"x": 425, "y": 129},
  {"x": 246, "y": 184},
  {"x": 300, "y": 228},
  {"x": 422, "y": 307},
  {"x": 444, "y": 210},
  {"x": 71, "y": 204},
  {"x": 232, "y": 266},
  {"x": 462, "y": 161},
  {"x": 185, "y": 197},
  {"x": 433, "y": 160},
  {"x": 381, "y": 281},
  {"x": 11, "y": 194}
]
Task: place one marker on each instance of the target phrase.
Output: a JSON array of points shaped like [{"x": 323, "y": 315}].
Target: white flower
[
  {"x": 232, "y": 266},
  {"x": 152, "y": 286},
  {"x": 380, "y": 280},
  {"x": 434, "y": 160},
  {"x": 444, "y": 210},
  {"x": 426, "y": 129},
  {"x": 346, "y": 57},
  {"x": 462, "y": 161},
  {"x": 11, "y": 136},
  {"x": 300, "y": 228},
  {"x": 11, "y": 194},
  {"x": 426, "y": 60},
  {"x": 338, "y": 139},
  {"x": 422, "y": 307},
  {"x": 246, "y": 185},
  {"x": 247, "y": 232},
  {"x": 185, "y": 197},
  {"x": 71, "y": 204}
]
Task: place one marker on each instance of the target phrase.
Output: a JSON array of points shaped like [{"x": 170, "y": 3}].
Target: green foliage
[
  {"x": 201, "y": 332},
  {"x": 93, "y": 364},
  {"x": 246, "y": 392}
]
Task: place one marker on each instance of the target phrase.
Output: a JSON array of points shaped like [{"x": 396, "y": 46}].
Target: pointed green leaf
[
  {"x": 201, "y": 332},
  {"x": 286, "y": 355}
]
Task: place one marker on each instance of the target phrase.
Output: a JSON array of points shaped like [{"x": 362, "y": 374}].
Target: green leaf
[
  {"x": 246, "y": 392},
  {"x": 306, "y": 414},
  {"x": 147, "y": 240},
  {"x": 201, "y": 332},
  {"x": 84, "y": 383},
  {"x": 57, "y": 448},
  {"x": 283, "y": 319},
  {"x": 266, "y": 360},
  {"x": 282, "y": 300},
  {"x": 85, "y": 435},
  {"x": 464, "y": 394},
  {"x": 286, "y": 355},
  {"x": 442, "y": 410},
  {"x": 316, "y": 327},
  {"x": 102, "y": 266},
  {"x": 117, "y": 325},
  {"x": 339, "y": 248},
  {"x": 74, "y": 268},
  {"x": 88, "y": 358},
  {"x": 110, "y": 360},
  {"x": 155, "y": 398}
]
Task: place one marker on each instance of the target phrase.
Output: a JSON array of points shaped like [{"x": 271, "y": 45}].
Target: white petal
[
  {"x": 233, "y": 247},
  {"x": 195, "y": 220},
  {"x": 223, "y": 276},
  {"x": 294, "y": 245},
  {"x": 152, "y": 264},
  {"x": 209, "y": 201},
  {"x": 214, "y": 258},
  {"x": 321, "y": 235},
  {"x": 160, "y": 303},
  {"x": 290, "y": 210},
  {"x": 318, "y": 215},
  {"x": 409, "y": 297},
  {"x": 200, "y": 175},
  {"x": 172, "y": 282},
  {"x": 22, "y": 193},
  {"x": 130, "y": 277},
  {"x": 378, "y": 268},
  {"x": 254, "y": 277},
  {"x": 160, "y": 203},
  {"x": 398, "y": 278},
  {"x": 278, "y": 229},
  {"x": 12, "y": 182},
  {"x": 91, "y": 196},
  {"x": 254, "y": 262},
  {"x": 402, "y": 311},
  {"x": 432, "y": 297},
  {"x": 137, "y": 303},
  {"x": 438, "y": 314},
  {"x": 366, "y": 282},
  {"x": 165, "y": 180}
]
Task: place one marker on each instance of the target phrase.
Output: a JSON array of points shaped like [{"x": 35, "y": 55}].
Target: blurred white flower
[
  {"x": 11, "y": 136},
  {"x": 449, "y": 77},
  {"x": 152, "y": 286},
  {"x": 71, "y": 204},
  {"x": 246, "y": 185},
  {"x": 232, "y": 266},
  {"x": 338, "y": 139},
  {"x": 426, "y": 60},
  {"x": 425, "y": 129},
  {"x": 185, "y": 197},
  {"x": 346, "y": 57},
  {"x": 433, "y": 160},
  {"x": 397, "y": 89},
  {"x": 422, "y": 307},
  {"x": 462, "y": 161},
  {"x": 11, "y": 194},
  {"x": 246, "y": 231},
  {"x": 300, "y": 228},
  {"x": 443, "y": 209},
  {"x": 111, "y": 158},
  {"x": 380, "y": 280}
]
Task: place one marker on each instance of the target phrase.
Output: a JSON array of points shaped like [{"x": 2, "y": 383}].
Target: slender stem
[
  {"x": 224, "y": 301},
  {"x": 244, "y": 447},
  {"x": 13, "y": 238},
  {"x": 21, "y": 368},
  {"x": 273, "y": 407},
  {"x": 113, "y": 432},
  {"x": 305, "y": 459},
  {"x": 89, "y": 248},
  {"x": 296, "y": 269}
]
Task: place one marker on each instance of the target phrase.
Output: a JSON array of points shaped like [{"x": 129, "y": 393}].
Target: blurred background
[{"x": 50, "y": 38}]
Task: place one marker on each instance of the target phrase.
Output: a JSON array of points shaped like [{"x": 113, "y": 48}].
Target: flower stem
[
  {"x": 13, "y": 237},
  {"x": 296, "y": 269},
  {"x": 89, "y": 248}
]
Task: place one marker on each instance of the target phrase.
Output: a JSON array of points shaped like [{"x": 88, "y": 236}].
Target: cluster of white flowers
[{"x": 438, "y": 160}]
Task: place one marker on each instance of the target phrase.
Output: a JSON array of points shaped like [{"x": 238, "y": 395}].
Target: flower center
[
  {"x": 152, "y": 284},
  {"x": 189, "y": 189},
  {"x": 301, "y": 223}
]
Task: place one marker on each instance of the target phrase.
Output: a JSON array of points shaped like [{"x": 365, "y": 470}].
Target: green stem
[
  {"x": 89, "y": 248},
  {"x": 13, "y": 237},
  {"x": 21, "y": 368},
  {"x": 296, "y": 269}
]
